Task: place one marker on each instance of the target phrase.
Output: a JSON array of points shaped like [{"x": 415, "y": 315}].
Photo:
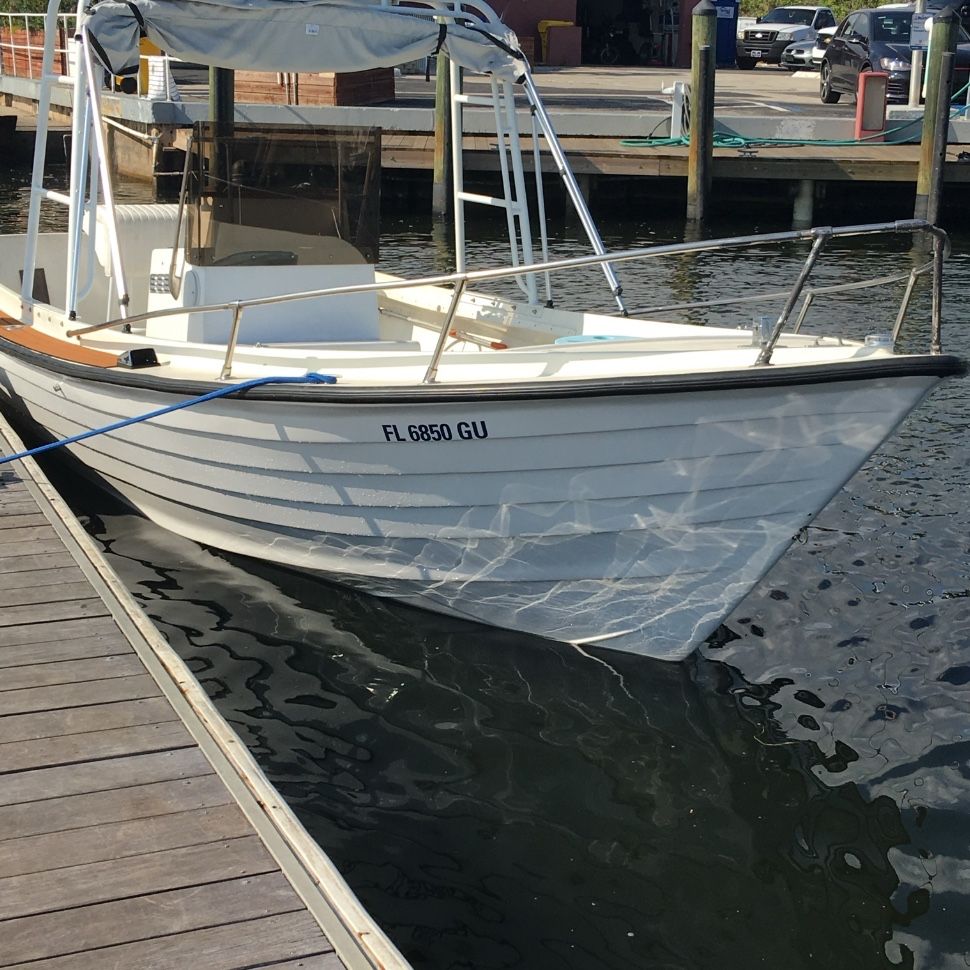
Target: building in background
[{"x": 610, "y": 32}]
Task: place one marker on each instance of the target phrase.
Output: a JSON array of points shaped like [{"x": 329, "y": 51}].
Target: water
[{"x": 795, "y": 795}]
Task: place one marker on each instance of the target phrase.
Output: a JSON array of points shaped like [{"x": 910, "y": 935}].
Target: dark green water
[{"x": 796, "y": 795}]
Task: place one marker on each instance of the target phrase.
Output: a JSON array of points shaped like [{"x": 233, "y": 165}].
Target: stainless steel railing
[{"x": 819, "y": 237}]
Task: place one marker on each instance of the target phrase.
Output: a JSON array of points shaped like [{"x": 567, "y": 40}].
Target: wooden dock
[
  {"x": 886, "y": 163},
  {"x": 136, "y": 831}
]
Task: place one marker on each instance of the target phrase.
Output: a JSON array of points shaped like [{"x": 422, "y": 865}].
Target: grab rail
[{"x": 818, "y": 236}]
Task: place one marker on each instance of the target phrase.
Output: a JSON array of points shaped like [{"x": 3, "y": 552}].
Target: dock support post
[
  {"x": 700, "y": 151},
  {"x": 440, "y": 196},
  {"x": 222, "y": 96},
  {"x": 222, "y": 112},
  {"x": 804, "y": 209},
  {"x": 936, "y": 117}
]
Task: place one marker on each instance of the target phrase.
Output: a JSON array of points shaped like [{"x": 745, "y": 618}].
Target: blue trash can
[{"x": 727, "y": 32}]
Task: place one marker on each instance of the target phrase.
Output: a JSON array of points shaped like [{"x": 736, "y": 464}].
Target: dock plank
[
  {"x": 71, "y": 672},
  {"x": 32, "y": 534},
  {"x": 16, "y": 549},
  {"x": 25, "y": 579},
  {"x": 76, "y": 749},
  {"x": 325, "y": 961},
  {"x": 118, "y": 840},
  {"x": 57, "y": 632},
  {"x": 145, "y": 917},
  {"x": 252, "y": 943},
  {"x": 83, "y": 648},
  {"x": 138, "y": 801},
  {"x": 45, "y": 595},
  {"x": 81, "y": 720},
  {"x": 68, "y": 610},
  {"x": 77, "y": 695},
  {"x": 31, "y": 562},
  {"x": 19, "y": 503},
  {"x": 107, "y": 775},
  {"x": 22, "y": 520},
  {"x": 98, "y": 882}
]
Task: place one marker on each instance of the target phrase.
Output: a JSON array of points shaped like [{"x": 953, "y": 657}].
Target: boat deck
[{"x": 131, "y": 832}]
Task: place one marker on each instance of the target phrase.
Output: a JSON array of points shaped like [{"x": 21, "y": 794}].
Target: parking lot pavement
[{"x": 766, "y": 90}]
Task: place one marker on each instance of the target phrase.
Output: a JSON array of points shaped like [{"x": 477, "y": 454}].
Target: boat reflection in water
[{"x": 502, "y": 801}]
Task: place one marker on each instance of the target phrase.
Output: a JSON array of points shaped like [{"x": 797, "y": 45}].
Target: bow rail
[{"x": 460, "y": 280}]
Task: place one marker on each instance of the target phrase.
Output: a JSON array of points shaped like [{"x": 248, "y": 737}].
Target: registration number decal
[{"x": 443, "y": 431}]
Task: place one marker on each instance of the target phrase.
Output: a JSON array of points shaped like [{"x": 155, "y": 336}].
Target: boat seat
[
  {"x": 347, "y": 317},
  {"x": 142, "y": 228}
]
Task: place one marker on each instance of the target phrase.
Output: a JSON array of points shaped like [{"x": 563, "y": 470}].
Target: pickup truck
[{"x": 771, "y": 34}]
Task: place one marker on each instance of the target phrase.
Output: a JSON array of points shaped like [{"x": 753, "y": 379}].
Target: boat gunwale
[{"x": 772, "y": 375}]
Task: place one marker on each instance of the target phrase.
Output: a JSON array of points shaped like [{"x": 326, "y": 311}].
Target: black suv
[{"x": 879, "y": 40}]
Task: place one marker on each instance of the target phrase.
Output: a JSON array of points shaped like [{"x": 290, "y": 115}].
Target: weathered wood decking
[
  {"x": 121, "y": 844},
  {"x": 609, "y": 156}
]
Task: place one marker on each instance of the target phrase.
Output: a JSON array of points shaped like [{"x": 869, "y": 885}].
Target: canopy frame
[{"x": 464, "y": 26}]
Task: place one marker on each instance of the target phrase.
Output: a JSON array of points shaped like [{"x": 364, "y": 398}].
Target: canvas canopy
[{"x": 293, "y": 35}]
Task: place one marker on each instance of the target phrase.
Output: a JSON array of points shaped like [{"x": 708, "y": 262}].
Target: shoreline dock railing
[
  {"x": 22, "y": 44},
  {"x": 22, "y": 56}
]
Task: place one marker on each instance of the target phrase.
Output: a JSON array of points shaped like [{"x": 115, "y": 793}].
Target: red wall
[{"x": 686, "y": 28}]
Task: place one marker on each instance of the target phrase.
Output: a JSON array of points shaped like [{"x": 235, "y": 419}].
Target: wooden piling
[
  {"x": 804, "y": 205},
  {"x": 440, "y": 195},
  {"x": 936, "y": 117},
  {"x": 700, "y": 155},
  {"x": 222, "y": 95}
]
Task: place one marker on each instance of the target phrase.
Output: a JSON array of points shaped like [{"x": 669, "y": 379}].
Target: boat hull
[{"x": 631, "y": 520}]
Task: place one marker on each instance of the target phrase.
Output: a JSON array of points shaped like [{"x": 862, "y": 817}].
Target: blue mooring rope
[{"x": 310, "y": 378}]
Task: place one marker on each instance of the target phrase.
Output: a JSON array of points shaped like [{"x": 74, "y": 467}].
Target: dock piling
[
  {"x": 803, "y": 209},
  {"x": 440, "y": 199},
  {"x": 700, "y": 152},
  {"x": 222, "y": 96},
  {"x": 936, "y": 118}
]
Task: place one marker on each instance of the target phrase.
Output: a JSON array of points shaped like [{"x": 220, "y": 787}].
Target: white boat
[{"x": 592, "y": 478}]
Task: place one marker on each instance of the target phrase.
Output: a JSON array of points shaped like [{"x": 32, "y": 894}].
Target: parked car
[
  {"x": 822, "y": 40},
  {"x": 798, "y": 56},
  {"x": 768, "y": 38},
  {"x": 962, "y": 8},
  {"x": 806, "y": 55},
  {"x": 879, "y": 40}
]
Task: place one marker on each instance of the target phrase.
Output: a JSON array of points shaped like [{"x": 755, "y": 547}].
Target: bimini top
[{"x": 296, "y": 35}]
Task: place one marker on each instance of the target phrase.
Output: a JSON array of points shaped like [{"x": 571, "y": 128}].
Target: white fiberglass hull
[{"x": 636, "y": 521}]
